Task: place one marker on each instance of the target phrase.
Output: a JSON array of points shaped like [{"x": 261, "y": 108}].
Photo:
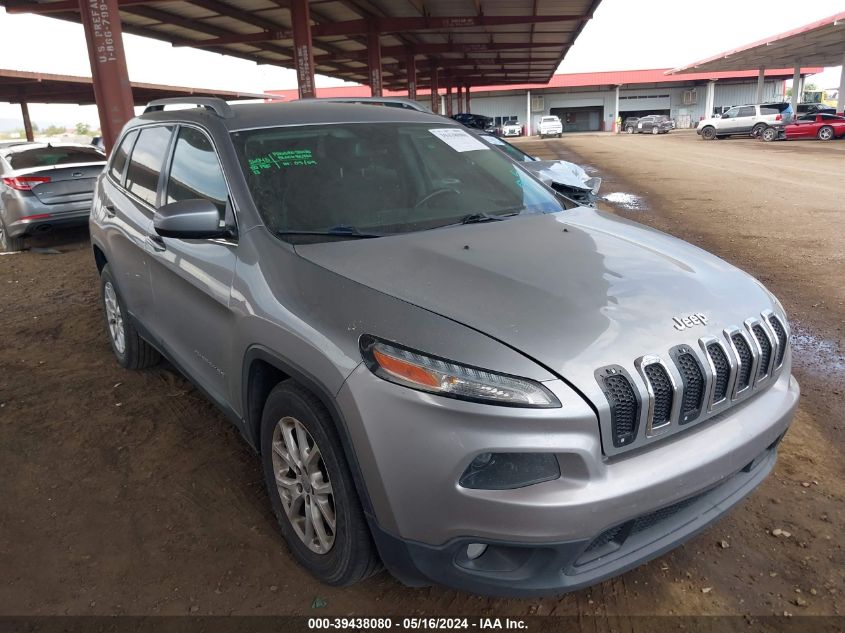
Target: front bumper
[{"x": 412, "y": 449}]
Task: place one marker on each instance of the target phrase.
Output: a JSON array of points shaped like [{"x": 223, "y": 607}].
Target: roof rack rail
[{"x": 215, "y": 104}]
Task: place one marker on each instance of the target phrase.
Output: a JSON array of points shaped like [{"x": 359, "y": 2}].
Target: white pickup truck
[{"x": 550, "y": 126}]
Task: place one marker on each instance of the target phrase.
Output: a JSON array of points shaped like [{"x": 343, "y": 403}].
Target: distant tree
[
  {"x": 83, "y": 129},
  {"x": 54, "y": 130}
]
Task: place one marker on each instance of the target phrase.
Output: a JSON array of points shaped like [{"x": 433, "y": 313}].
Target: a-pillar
[
  {"x": 374, "y": 62},
  {"x": 411, "y": 68},
  {"x": 840, "y": 104},
  {"x": 27, "y": 123},
  {"x": 761, "y": 84},
  {"x": 448, "y": 98},
  {"x": 435, "y": 97},
  {"x": 303, "y": 51},
  {"x": 796, "y": 86},
  {"x": 104, "y": 36}
]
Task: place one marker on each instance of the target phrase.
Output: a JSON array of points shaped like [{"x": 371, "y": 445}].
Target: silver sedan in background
[{"x": 45, "y": 187}]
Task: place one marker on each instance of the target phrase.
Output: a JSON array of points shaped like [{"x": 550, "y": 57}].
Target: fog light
[
  {"x": 474, "y": 550},
  {"x": 506, "y": 471}
]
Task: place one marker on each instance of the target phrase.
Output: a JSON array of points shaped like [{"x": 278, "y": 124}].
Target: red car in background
[{"x": 824, "y": 127}]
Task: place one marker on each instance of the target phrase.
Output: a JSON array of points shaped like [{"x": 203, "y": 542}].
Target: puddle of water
[
  {"x": 817, "y": 352},
  {"x": 625, "y": 201}
]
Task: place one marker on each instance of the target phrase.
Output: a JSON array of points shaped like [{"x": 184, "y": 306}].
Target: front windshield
[
  {"x": 512, "y": 151},
  {"x": 379, "y": 179}
]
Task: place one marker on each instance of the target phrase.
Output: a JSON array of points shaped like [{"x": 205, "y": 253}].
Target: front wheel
[
  {"x": 708, "y": 133},
  {"x": 655, "y": 131},
  {"x": 311, "y": 489},
  {"x": 132, "y": 351},
  {"x": 629, "y": 130},
  {"x": 757, "y": 130},
  {"x": 825, "y": 133}
]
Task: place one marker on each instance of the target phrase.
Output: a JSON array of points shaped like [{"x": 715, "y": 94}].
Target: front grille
[
  {"x": 765, "y": 350},
  {"x": 780, "y": 333},
  {"x": 624, "y": 408},
  {"x": 722, "y": 371},
  {"x": 661, "y": 386},
  {"x": 693, "y": 378},
  {"x": 745, "y": 361}
]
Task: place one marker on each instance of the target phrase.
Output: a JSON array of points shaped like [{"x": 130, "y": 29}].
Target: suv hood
[{"x": 575, "y": 291}]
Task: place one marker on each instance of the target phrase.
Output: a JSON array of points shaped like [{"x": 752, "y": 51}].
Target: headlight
[{"x": 422, "y": 372}]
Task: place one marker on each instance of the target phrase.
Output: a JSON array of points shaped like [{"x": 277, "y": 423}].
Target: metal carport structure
[
  {"x": 400, "y": 44},
  {"x": 25, "y": 87},
  {"x": 821, "y": 43}
]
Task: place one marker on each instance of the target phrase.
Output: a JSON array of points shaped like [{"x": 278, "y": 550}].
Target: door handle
[{"x": 156, "y": 243}]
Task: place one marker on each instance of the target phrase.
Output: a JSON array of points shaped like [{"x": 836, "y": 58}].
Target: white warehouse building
[{"x": 588, "y": 101}]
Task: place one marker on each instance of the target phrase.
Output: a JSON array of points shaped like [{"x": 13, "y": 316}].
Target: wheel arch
[{"x": 263, "y": 369}]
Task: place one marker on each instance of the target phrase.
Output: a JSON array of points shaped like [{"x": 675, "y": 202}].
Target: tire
[
  {"x": 769, "y": 134},
  {"x": 757, "y": 130},
  {"x": 655, "y": 131},
  {"x": 132, "y": 351},
  {"x": 825, "y": 133},
  {"x": 340, "y": 556},
  {"x": 560, "y": 135},
  {"x": 9, "y": 244},
  {"x": 708, "y": 133},
  {"x": 629, "y": 129}
]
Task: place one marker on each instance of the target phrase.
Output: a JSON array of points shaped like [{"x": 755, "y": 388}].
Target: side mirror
[
  {"x": 189, "y": 220},
  {"x": 718, "y": 116}
]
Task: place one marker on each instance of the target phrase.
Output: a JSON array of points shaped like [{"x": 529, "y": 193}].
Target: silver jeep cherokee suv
[{"x": 446, "y": 368}]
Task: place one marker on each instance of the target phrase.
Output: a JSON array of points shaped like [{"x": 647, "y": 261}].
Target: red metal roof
[
  {"x": 819, "y": 43},
  {"x": 569, "y": 80}
]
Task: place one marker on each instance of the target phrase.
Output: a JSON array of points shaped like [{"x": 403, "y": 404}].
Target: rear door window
[
  {"x": 195, "y": 171},
  {"x": 746, "y": 111},
  {"x": 118, "y": 161},
  {"x": 146, "y": 162}
]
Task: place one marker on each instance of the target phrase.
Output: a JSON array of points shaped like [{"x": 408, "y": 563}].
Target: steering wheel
[{"x": 434, "y": 194}]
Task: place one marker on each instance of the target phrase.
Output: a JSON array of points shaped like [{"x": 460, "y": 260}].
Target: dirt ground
[{"x": 128, "y": 493}]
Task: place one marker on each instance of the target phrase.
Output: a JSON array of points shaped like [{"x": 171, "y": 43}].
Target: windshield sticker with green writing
[{"x": 282, "y": 160}]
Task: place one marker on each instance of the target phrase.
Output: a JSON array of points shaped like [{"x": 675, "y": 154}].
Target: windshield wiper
[
  {"x": 336, "y": 231},
  {"x": 475, "y": 218}
]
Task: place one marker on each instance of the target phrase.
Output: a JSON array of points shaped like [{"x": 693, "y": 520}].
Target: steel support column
[
  {"x": 466, "y": 98},
  {"x": 27, "y": 122},
  {"x": 435, "y": 98},
  {"x": 112, "y": 90},
  {"x": 374, "y": 62},
  {"x": 303, "y": 51},
  {"x": 840, "y": 104},
  {"x": 448, "y": 97},
  {"x": 411, "y": 69},
  {"x": 527, "y": 113},
  {"x": 616, "y": 129},
  {"x": 761, "y": 83},
  {"x": 710, "y": 99},
  {"x": 796, "y": 84},
  {"x": 460, "y": 98}
]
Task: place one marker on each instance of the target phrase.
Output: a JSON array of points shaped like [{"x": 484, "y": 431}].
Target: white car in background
[
  {"x": 550, "y": 126},
  {"x": 512, "y": 128}
]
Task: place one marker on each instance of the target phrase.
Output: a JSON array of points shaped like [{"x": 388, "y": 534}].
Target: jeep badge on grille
[{"x": 689, "y": 321}]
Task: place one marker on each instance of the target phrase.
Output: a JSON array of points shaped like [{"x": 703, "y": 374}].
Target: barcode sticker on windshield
[{"x": 458, "y": 140}]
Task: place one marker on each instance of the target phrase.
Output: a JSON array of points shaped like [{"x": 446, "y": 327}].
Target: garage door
[{"x": 645, "y": 103}]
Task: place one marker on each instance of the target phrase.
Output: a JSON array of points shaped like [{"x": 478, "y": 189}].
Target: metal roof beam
[
  {"x": 44, "y": 8},
  {"x": 435, "y": 49}
]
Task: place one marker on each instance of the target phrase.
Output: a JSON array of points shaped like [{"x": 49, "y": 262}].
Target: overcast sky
[{"x": 623, "y": 35}]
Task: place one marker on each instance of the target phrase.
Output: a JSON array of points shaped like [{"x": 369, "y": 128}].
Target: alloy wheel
[
  {"x": 825, "y": 134},
  {"x": 114, "y": 317},
  {"x": 304, "y": 486}
]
